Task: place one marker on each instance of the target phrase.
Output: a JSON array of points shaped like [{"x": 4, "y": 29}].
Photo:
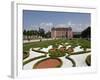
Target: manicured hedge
[
  {"x": 25, "y": 55},
  {"x": 88, "y": 60},
  {"x": 56, "y": 53},
  {"x": 34, "y": 66},
  {"x": 73, "y": 62},
  {"x": 39, "y": 51},
  {"x": 81, "y": 52},
  {"x": 70, "y": 50},
  {"x": 25, "y": 62}
]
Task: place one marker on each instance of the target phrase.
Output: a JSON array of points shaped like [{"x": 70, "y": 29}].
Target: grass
[
  {"x": 27, "y": 46},
  {"x": 74, "y": 42}
]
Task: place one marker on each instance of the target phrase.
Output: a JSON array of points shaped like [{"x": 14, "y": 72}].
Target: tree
[
  {"x": 29, "y": 34},
  {"x": 41, "y": 32},
  {"x": 76, "y": 34},
  {"x": 24, "y": 32},
  {"x": 48, "y": 34},
  {"x": 86, "y": 33}
]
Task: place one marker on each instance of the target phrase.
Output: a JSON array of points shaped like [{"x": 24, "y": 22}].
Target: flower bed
[
  {"x": 48, "y": 63},
  {"x": 57, "y": 52}
]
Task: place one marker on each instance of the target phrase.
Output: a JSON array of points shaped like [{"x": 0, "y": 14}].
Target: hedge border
[
  {"x": 34, "y": 66},
  {"x": 25, "y": 55},
  {"x": 73, "y": 62},
  {"x": 87, "y": 62},
  {"x": 25, "y": 62},
  {"x": 40, "y": 51},
  {"x": 80, "y": 52}
]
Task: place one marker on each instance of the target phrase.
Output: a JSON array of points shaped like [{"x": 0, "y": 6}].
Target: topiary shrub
[
  {"x": 57, "y": 52},
  {"x": 70, "y": 50},
  {"x": 88, "y": 60},
  {"x": 62, "y": 50}
]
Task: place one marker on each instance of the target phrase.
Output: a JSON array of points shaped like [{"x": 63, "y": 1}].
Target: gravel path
[{"x": 79, "y": 59}]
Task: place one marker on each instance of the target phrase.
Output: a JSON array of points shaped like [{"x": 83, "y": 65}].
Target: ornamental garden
[
  {"x": 57, "y": 53},
  {"x": 56, "y": 39}
]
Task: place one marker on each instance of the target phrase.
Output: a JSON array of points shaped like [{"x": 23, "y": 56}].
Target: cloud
[
  {"x": 61, "y": 25},
  {"x": 75, "y": 27},
  {"x": 73, "y": 24},
  {"x": 33, "y": 27},
  {"x": 87, "y": 25},
  {"x": 46, "y": 24},
  {"x": 78, "y": 27},
  {"x": 69, "y": 23}
]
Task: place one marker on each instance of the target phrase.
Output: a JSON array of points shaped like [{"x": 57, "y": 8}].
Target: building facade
[{"x": 62, "y": 33}]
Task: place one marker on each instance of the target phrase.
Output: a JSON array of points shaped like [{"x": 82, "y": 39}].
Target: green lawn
[{"x": 74, "y": 42}]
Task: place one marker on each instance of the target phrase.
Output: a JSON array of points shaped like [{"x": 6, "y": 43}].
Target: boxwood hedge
[
  {"x": 88, "y": 60},
  {"x": 25, "y": 62}
]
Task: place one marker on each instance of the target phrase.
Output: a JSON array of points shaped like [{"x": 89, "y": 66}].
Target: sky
[{"x": 48, "y": 19}]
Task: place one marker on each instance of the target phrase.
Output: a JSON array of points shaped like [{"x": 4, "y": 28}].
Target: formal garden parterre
[{"x": 67, "y": 51}]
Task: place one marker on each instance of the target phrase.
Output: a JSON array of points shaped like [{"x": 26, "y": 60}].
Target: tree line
[
  {"x": 84, "y": 34},
  {"x": 41, "y": 33}
]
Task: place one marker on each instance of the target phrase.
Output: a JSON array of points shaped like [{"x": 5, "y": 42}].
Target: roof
[{"x": 61, "y": 29}]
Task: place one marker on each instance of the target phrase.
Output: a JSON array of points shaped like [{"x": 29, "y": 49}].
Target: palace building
[{"x": 62, "y": 32}]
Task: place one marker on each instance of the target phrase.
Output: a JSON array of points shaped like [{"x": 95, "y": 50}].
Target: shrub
[
  {"x": 25, "y": 55},
  {"x": 56, "y": 52},
  {"x": 70, "y": 49},
  {"x": 80, "y": 52},
  {"x": 39, "y": 51},
  {"x": 62, "y": 50},
  {"x": 88, "y": 60}
]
